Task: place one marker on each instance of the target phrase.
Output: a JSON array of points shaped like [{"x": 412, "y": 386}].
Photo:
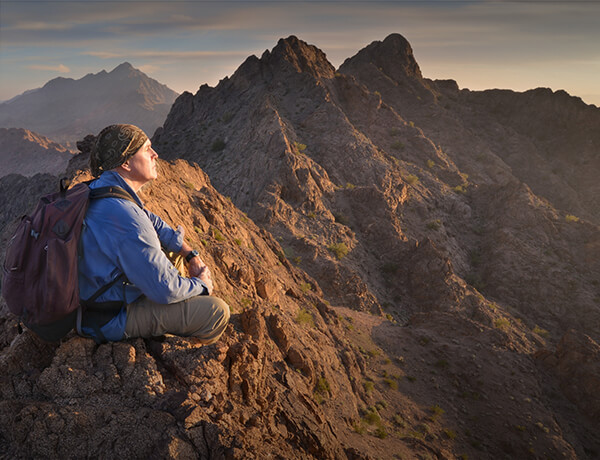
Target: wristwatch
[{"x": 193, "y": 253}]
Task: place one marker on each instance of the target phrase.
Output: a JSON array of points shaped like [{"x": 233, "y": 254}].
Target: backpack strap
[
  {"x": 91, "y": 303},
  {"x": 112, "y": 191},
  {"x": 96, "y": 193}
]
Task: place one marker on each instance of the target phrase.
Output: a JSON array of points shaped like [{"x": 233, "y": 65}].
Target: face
[{"x": 142, "y": 165}]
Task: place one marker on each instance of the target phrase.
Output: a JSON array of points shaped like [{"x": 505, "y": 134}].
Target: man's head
[{"x": 114, "y": 146}]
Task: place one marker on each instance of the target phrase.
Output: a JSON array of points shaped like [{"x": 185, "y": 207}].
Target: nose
[{"x": 154, "y": 153}]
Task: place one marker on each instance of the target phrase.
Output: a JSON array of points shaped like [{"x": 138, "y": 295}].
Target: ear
[{"x": 126, "y": 166}]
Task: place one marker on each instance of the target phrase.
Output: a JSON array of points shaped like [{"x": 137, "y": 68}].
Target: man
[{"x": 123, "y": 248}]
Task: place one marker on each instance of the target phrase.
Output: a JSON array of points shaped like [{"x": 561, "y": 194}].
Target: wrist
[{"x": 190, "y": 255}]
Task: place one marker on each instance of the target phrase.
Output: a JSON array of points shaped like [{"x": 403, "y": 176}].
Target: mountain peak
[
  {"x": 393, "y": 55},
  {"x": 124, "y": 68},
  {"x": 302, "y": 56}
]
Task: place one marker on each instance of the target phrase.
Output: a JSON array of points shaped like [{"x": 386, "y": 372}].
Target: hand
[
  {"x": 205, "y": 276},
  {"x": 195, "y": 266}
]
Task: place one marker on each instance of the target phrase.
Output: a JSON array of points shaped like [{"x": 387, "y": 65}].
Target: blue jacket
[{"x": 119, "y": 237}]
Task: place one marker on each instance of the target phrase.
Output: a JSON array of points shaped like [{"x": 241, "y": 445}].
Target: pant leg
[{"x": 204, "y": 317}]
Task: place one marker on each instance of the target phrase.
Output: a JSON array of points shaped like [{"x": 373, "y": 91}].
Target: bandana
[{"x": 114, "y": 146}]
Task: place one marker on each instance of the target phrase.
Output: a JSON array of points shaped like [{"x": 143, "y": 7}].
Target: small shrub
[
  {"x": 571, "y": 218},
  {"x": 350, "y": 186},
  {"x": 541, "y": 426},
  {"x": 245, "y": 302},
  {"x": 217, "y": 145},
  {"x": 391, "y": 383},
  {"x": 397, "y": 145},
  {"x": 398, "y": 420},
  {"x": 430, "y": 164},
  {"x": 380, "y": 405},
  {"x": 311, "y": 215},
  {"x": 300, "y": 147},
  {"x": 322, "y": 387},
  {"x": 340, "y": 250},
  {"x": 436, "y": 412},
  {"x": 434, "y": 224},
  {"x": 371, "y": 416},
  {"x": 359, "y": 428},
  {"x": 304, "y": 317},
  {"x": 411, "y": 378},
  {"x": 218, "y": 235},
  {"x": 394, "y": 131},
  {"x": 198, "y": 230},
  {"x": 237, "y": 241},
  {"x": 341, "y": 219},
  {"x": 369, "y": 386},
  {"x": 450, "y": 434},
  {"x": 190, "y": 186},
  {"x": 542, "y": 332},
  {"x": 380, "y": 432},
  {"x": 412, "y": 179},
  {"x": 461, "y": 189},
  {"x": 373, "y": 353},
  {"x": 501, "y": 323},
  {"x": 305, "y": 287}
]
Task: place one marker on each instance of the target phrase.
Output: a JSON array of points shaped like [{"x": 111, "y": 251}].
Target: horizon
[{"x": 184, "y": 44}]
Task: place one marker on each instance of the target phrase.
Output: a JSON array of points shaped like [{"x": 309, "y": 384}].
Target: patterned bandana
[{"x": 114, "y": 146}]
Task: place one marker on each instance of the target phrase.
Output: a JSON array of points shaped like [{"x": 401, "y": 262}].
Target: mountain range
[
  {"x": 66, "y": 110},
  {"x": 412, "y": 270}
]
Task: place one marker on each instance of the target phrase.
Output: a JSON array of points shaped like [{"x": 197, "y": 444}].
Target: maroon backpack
[{"x": 40, "y": 282}]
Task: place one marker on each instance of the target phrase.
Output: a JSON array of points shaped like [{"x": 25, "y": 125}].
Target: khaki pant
[{"x": 203, "y": 317}]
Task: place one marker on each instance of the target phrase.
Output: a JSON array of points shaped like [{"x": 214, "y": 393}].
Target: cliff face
[{"x": 403, "y": 282}]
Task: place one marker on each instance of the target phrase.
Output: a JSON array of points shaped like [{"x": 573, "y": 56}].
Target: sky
[{"x": 482, "y": 44}]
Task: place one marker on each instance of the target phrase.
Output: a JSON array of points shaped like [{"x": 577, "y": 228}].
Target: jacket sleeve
[
  {"x": 170, "y": 239},
  {"x": 140, "y": 256}
]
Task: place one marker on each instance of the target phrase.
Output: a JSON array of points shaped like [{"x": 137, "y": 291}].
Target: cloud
[
  {"x": 159, "y": 54},
  {"x": 149, "y": 68},
  {"x": 60, "y": 68}
]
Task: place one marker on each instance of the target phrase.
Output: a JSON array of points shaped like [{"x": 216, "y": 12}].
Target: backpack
[{"x": 40, "y": 278}]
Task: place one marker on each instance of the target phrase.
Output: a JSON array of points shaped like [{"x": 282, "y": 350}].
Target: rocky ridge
[
  {"x": 27, "y": 153},
  {"x": 392, "y": 192},
  {"x": 393, "y": 294}
]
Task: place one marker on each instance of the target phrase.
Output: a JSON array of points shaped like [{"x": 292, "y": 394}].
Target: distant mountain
[
  {"x": 66, "y": 110},
  {"x": 27, "y": 153}
]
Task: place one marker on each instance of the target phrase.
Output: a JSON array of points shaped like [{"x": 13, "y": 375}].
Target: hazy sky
[{"x": 481, "y": 44}]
